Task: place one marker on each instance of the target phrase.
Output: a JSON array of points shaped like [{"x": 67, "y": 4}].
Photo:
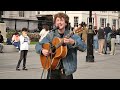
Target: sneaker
[
  {"x": 25, "y": 69},
  {"x": 114, "y": 54},
  {"x": 111, "y": 54},
  {"x": 17, "y": 69},
  {"x": 96, "y": 51},
  {"x": 1, "y": 52},
  {"x": 105, "y": 52},
  {"x": 101, "y": 53}
]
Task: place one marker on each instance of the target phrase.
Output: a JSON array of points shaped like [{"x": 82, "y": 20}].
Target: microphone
[{"x": 55, "y": 28}]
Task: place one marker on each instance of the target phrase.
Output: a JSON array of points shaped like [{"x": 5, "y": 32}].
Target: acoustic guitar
[{"x": 57, "y": 50}]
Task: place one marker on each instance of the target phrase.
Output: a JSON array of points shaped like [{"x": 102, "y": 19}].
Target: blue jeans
[
  {"x": 17, "y": 45},
  {"x": 95, "y": 42}
]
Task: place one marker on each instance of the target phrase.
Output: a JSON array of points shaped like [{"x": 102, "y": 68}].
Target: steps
[{"x": 11, "y": 48}]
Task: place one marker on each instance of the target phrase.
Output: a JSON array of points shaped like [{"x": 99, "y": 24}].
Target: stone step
[{"x": 11, "y": 48}]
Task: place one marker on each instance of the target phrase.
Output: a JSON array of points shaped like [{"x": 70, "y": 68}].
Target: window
[
  {"x": 103, "y": 22},
  {"x": 114, "y": 11},
  {"x": 88, "y": 21},
  {"x": 75, "y": 21},
  {"x": 38, "y": 12},
  {"x": 21, "y": 13},
  {"x": 114, "y": 22},
  {"x": 103, "y": 11}
]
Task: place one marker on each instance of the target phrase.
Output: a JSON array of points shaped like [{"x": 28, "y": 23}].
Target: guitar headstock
[{"x": 78, "y": 30}]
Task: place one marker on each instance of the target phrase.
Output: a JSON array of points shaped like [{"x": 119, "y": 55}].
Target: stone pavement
[{"x": 104, "y": 67}]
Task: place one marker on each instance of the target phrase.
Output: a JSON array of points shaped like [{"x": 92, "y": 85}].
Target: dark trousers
[
  {"x": 57, "y": 74},
  {"x": 23, "y": 55},
  {"x": 107, "y": 45}
]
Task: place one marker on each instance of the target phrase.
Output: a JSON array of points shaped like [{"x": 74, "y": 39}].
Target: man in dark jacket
[
  {"x": 101, "y": 39},
  {"x": 107, "y": 44},
  {"x": 1, "y": 43}
]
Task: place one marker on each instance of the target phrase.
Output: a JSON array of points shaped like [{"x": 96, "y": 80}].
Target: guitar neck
[
  {"x": 60, "y": 44},
  {"x": 62, "y": 41}
]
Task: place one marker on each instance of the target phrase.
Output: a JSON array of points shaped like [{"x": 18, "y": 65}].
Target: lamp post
[
  {"x": 90, "y": 57},
  {"x": 65, "y": 12}
]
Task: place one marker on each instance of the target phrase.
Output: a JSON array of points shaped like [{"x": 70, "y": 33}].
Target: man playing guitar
[{"x": 68, "y": 64}]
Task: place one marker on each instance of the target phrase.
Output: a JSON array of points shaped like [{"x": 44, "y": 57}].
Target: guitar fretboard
[{"x": 62, "y": 41}]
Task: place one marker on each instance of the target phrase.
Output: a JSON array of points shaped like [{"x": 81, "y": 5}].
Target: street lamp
[
  {"x": 90, "y": 57},
  {"x": 65, "y": 12}
]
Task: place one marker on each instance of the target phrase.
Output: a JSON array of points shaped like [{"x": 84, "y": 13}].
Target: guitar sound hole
[
  {"x": 53, "y": 49},
  {"x": 63, "y": 44}
]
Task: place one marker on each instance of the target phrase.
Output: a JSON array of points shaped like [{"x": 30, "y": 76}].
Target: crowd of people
[{"x": 104, "y": 38}]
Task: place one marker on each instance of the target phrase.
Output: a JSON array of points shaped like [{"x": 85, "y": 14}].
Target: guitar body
[
  {"x": 60, "y": 53},
  {"x": 45, "y": 61}
]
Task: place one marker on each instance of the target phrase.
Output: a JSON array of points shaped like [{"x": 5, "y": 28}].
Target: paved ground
[{"x": 104, "y": 67}]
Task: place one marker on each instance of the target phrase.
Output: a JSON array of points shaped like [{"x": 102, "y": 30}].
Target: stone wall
[{"x": 3, "y": 30}]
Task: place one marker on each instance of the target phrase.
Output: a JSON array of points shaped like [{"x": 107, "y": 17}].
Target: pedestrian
[
  {"x": 95, "y": 39},
  {"x": 118, "y": 36},
  {"x": 1, "y": 42},
  {"x": 68, "y": 64},
  {"x": 84, "y": 32},
  {"x": 16, "y": 40},
  {"x": 107, "y": 43},
  {"x": 101, "y": 40},
  {"x": 44, "y": 31},
  {"x": 24, "y": 46},
  {"x": 113, "y": 38}
]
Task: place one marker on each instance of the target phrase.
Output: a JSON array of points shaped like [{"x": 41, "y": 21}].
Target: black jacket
[
  {"x": 107, "y": 30},
  {"x": 113, "y": 34},
  {"x": 101, "y": 34}
]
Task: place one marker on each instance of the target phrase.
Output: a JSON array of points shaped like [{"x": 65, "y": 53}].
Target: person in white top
[
  {"x": 44, "y": 31},
  {"x": 24, "y": 47},
  {"x": 16, "y": 40}
]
